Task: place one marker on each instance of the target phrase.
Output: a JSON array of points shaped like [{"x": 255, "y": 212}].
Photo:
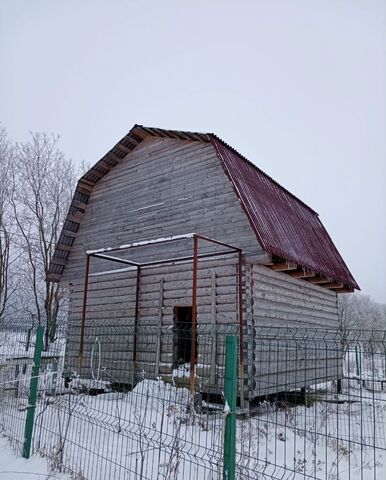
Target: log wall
[
  {"x": 169, "y": 187},
  {"x": 164, "y": 187},
  {"x": 110, "y": 317},
  {"x": 291, "y": 323}
]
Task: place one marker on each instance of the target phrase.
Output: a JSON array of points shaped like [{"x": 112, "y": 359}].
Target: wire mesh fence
[
  {"x": 311, "y": 403},
  {"x": 17, "y": 348},
  {"x": 327, "y": 417}
]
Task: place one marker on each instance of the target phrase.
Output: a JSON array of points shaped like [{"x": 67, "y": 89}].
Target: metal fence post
[
  {"x": 33, "y": 390},
  {"x": 230, "y": 388}
]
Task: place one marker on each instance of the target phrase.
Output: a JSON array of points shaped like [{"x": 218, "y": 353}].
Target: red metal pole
[
  {"x": 84, "y": 308},
  {"x": 136, "y": 320},
  {"x": 241, "y": 320},
  {"x": 217, "y": 242},
  {"x": 194, "y": 317}
]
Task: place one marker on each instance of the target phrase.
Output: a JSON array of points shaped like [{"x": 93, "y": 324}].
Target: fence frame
[
  {"x": 230, "y": 390},
  {"x": 315, "y": 415}
]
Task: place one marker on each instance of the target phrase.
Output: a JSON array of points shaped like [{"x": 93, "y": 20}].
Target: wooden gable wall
[{"x": 164, "y": 187}]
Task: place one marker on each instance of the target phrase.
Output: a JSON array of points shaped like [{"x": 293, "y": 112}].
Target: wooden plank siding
[
  {"x": 275, "y": 301},
  {"x": 164, "y": 187}
]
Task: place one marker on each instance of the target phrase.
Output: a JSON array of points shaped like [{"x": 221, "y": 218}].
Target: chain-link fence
[{"x": 310, "y": 403}]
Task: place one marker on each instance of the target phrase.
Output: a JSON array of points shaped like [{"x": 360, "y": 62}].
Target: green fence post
[
  {"x": 357, "y": 362},
  {"x": 230, "y": 405},
  {"x": 33, "y": 390}
]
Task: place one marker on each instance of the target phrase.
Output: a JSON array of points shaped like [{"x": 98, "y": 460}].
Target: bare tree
[
  {"x": 360, "y": 312},
  {"x": 44, "y": 181},
  {"x": 7, "y": 224}
]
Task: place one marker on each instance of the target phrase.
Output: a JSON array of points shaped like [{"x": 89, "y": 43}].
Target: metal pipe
[
  {"x": 84, "y": 308},
  {"x": 182, "y": 259},
  {"x": 194, "y": 317},
  {"x": 241, "y": 323},
  {"x": 161, "y": 240},
  {"x": 161, "y": 262},
  {"x": 241, "y": 319},
  {"x": 136, "y": 315},
  {"x": 114, "y": 259},
  {"x": 217, "y": 242},
  {"x": 100, "y": 253}
]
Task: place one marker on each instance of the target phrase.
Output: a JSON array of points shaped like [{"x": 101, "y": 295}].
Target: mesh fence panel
[{"x": 311, "y": 403}]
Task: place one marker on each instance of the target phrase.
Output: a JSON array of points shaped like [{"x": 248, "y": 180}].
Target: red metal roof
[{"x": 285, "y": 226}]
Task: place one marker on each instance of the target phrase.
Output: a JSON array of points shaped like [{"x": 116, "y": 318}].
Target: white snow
[
  {"x": 146, "y": 207},
  {"x": 18, "y": 468},
  {"x": 154, "y": 429},
  {"x": 143, "y": 243},
  {"x": 158, "y": 240}
]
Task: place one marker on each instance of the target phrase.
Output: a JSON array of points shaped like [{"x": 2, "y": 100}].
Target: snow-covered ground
[
  {"x": 18, "y": 468},
  {"x": 151, "y": 433}
]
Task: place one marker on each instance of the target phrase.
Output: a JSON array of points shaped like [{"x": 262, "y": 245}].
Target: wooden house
[{"x": 176, "y": 231}]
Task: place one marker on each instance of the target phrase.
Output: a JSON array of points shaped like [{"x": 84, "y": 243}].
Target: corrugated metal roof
[{"x": 285, "y": 226}]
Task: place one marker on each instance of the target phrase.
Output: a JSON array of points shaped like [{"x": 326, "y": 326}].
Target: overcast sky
[{"x": 296, "y": 86}]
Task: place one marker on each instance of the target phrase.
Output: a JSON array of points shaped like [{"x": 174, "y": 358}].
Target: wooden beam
[
  {"x": 105, "y": 165},
  {"x": 124, "y": 148},
  {"x": 115, "y": 157},
  {"x": 303, "y": 274},
  {"x": 95, "y": 173},
  {"x": 59, "y": 261},
  {"x": 61, "y": 246},
  {"x": 86, "y": 184},
  {"x": 54, "y": 277},
  {"x": 75, "y": 217},
  {"x": 317, "y": 280},
  {"x": 333, "y": 285},
  {"x": 85, "y": 187},
  {"x": 69, "y": 233},
  {"x": 283, "y": 267},
  {"x": 345, "y": 290},
  {"x": 79, "y": 204}
]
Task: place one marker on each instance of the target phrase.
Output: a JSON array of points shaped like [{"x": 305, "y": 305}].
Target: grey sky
[{"x": 296, "y": 86}]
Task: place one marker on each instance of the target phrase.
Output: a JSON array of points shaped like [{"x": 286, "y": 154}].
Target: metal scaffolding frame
[{"x": 105, "y": 254}]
